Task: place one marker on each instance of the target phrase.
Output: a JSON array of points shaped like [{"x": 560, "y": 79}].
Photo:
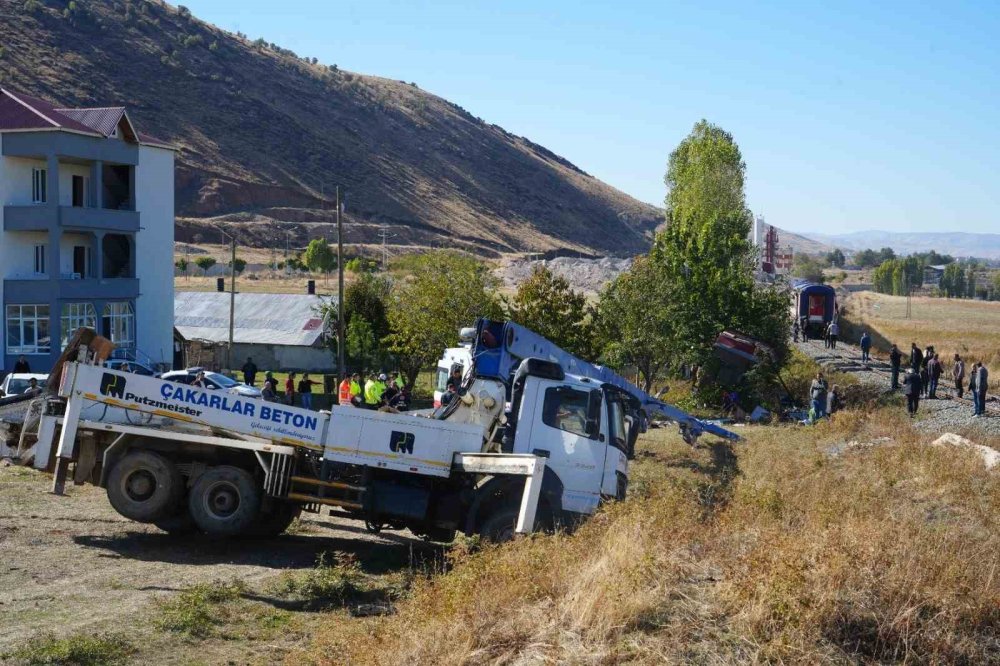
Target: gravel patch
[{"x": 947, "y": 413}]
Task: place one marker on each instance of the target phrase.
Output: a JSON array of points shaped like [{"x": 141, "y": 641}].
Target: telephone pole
[
  {"x": 384, "y": 234},
  {"x": 341, "y": 367}
]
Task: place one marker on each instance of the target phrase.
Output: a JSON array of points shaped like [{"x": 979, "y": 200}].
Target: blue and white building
[{"x": 87, "y": 213}]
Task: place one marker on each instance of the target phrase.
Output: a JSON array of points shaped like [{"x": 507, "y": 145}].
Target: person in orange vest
[{"x": 349, "y": 390}]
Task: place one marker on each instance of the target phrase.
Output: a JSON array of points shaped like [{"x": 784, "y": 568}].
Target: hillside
[
  {"x": 801, "y": 244},
  {"x": 264, "y": 136},
  {"x": 957, "y": 244}
]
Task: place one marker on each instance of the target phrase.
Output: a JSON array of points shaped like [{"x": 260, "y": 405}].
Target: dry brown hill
[{"x": 260, "y": 129}]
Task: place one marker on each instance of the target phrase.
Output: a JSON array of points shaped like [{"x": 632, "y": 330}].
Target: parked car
[
  {"x": 129, "y": 366},
  {"x": 213, "y": 381},
  {"x": 16, "y": 384}
]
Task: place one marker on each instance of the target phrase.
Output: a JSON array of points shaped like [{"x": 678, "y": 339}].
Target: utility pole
[
  {"x": 906, "y": 286},
  {"x": 232, "y": 300},
  {"x": 341, "y": 368},
  {"x": 383, "y": 232}
]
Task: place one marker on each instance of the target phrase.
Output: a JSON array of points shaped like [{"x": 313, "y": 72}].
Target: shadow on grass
[{"x": 375, "y": 555}]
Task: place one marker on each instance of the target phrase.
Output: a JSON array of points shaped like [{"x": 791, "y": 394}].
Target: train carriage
[{"x": 814, "y": 306}]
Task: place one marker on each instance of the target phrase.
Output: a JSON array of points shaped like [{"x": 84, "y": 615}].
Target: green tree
[
  {"x": 706, "y": 259},
  {"x": 546, "y": 304},
  {"x": 807, "y": 268},
  {"x": 182, "y": 265},
  {"x": 836, "y": 258},
  {"x": 360, "y": 343},
  {"x": 634, "y": 322},
  {"x": 318, "y": 256},
  {"x": 446, "y": 291},
  {"x": 366, "y": 298},
  {"x": 205, "y": 263},
  {"x": 238, "y": 265}
]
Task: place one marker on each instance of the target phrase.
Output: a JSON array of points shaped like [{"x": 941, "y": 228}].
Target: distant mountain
[
  {"x": 801, "y": 244},
  {"x": 264, "y": 135},
  {"x": 957, "y": 244}
]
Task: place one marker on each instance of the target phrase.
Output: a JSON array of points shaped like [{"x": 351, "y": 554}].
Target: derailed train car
[{"x": 814, "y": 306}]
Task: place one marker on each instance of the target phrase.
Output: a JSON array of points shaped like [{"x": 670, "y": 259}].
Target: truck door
[
  {"x": 615, "y": 479},
  {"x": 566, "y": 426}
]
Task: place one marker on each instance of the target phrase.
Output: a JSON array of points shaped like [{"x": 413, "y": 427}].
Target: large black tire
[
  {"x": 225, "y": 501},
  {"x": 144, "y": 486},
  {"x": 499, "y": 525},
  {"x": 277, "y": 521}
]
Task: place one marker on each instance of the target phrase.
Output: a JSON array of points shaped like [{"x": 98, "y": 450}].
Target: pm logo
[
  {"x": 401, "y": 442},
  {"x": 113, "y": 385}
]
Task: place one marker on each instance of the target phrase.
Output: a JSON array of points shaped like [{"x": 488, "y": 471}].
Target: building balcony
[
  {"x": 39, "y": 290},
  {"x": 41, "y": 217}
]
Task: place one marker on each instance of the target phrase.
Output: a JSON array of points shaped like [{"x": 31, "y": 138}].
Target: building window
[
  {"x": 39, "y": 184},
  {"x": 28, "y": 329},
  {"x": 75, "y": 315},
  {"x": 39, "y": 260},
  {"x": 119, "y": 324}
]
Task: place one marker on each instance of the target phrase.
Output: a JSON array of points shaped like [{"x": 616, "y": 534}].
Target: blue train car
[{"x": 814, "y": 306}]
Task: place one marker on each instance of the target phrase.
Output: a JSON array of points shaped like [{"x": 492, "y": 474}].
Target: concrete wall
[
  {"x": 15, "y": 180},
  {"x": 271, "y": 357},
  {"x": 155, "y": 253}
]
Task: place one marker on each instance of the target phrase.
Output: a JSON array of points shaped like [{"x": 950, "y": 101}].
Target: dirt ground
[{"x": 72, "y": 565}]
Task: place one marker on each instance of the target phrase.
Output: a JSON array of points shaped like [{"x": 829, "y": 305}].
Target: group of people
[
  {"x": 924, "y": 373},
  {"x": 380, "y": 390},
  {"x": 823, "y": 400}
]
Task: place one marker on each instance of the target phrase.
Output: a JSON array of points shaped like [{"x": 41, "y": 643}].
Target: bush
[
  {"x": 83, "y": 649},
  {"x": 32, "y": 6},
  {"x": 334, "y": 580},
  {"x": 193, "y": 611}
]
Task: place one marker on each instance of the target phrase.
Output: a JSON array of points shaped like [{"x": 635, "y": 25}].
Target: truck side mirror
[{"x": 592, "y": 427}]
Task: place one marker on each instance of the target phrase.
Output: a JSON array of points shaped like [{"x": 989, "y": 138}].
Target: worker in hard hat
[{"x": 344, "y": 392}]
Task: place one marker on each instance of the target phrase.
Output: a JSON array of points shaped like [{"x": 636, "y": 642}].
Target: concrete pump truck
[{"x": 535, "y": 438}]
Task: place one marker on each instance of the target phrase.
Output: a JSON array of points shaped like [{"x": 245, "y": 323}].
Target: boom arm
[{"x": 501, "y": 346}]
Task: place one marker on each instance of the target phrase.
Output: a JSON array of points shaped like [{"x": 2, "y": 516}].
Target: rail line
[{"x": 850, "y": 356}]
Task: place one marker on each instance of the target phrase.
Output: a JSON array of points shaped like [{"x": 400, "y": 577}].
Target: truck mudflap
[{"x": 531, "y": 467}]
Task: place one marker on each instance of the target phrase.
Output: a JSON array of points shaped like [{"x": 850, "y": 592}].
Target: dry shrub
[
  {"x": 783, "y": 553},
  {"x": 888, "y": 553}
]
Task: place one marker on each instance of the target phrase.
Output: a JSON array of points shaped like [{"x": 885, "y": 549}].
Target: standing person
[
  {"x": 269, "y": 379},
  {"x": 934, "y": 371},
  {"x": 972, "y": 386},
  {"x": 833, "y": 401},
  {"x": 22, "y": 366},
  {"x": 826, "y": 336},
  {"x": 911, "y": 387},
  {"x": 290, "y": 389},
  {"x": 795, "y": 331},
  {"x": 249, "y": 372},
  {"x": 372, "y": 393},
  {"x": 982, "y": 385},
  {"x": 344, "y": 397},
  {"x": 817, "y": 393},
  {"x": 895, "y": 359},
  {"x": 866, "y": 347},
  {"x": 834, "y": 332},
  {"x": 306, "y": 390},
  {"x": 357, "y": 398},
  {"x": 804, "y": 326},
  {"x": 267, "y": 392},
  {"x": 958, "y": 374},
  {"x": 924, "y": 380},
  {"x": 916, "y": 358}
]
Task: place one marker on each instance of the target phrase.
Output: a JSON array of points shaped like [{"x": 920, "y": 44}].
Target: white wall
[
  {"x": 17, "y": 254},
  {"x": 66, "y": 173},
  {"x": 15, "y": 180},
  {"x": 154, "y": 178}
]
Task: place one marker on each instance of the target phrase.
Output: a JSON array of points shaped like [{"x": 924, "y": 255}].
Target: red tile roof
[
  {"x": 23, "y": 112},
  {"x": 40, "y": 115}
]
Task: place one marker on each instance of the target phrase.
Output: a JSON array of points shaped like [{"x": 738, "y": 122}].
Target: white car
[
  {"x": 213, "y": 381},
  {"x": 16, "y": 384}
]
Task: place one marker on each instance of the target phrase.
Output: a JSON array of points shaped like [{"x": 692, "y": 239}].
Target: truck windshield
[{"x": 616, "y": 424}]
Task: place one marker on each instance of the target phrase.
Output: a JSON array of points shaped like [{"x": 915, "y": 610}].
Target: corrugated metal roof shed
[
  {"x": 103, "y": 120},
  {"x": 276, "y": 319}
]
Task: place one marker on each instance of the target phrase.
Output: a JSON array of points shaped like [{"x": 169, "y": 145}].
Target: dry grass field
[
  {"x": 793, "y": 547},
  {"x": 971, "y": 328}
]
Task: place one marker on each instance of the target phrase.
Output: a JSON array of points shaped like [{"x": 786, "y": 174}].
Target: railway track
[{"x": 847, "y": 358}]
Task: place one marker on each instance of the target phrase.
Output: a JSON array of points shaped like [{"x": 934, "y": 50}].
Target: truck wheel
[
  {"x": 500, "y": 524},
  {"x": 179, "y": 523},
  {"x": 145, "y": 486},
  {"x": 277, "y": 521},
  {"x": 224, "y": 501}
]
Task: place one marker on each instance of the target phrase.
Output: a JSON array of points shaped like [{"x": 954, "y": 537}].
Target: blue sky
[{"x": 850, "y": 116}]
